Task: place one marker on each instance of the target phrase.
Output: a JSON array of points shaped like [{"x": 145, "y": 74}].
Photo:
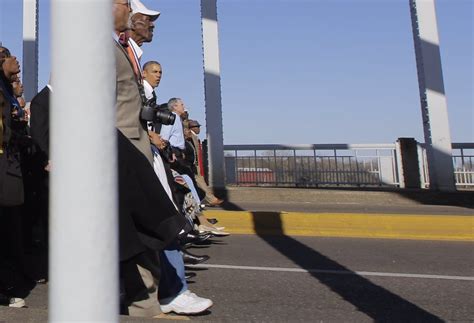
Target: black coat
[
  {"x": 147, "y": 217},
  {"x": 11, "y": 180}
]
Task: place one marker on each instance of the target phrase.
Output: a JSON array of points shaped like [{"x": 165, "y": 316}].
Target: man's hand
[
  {"x": 27, "y": 113},
  {"x": 173, "y": 158},
  {"x": 156, "y": 139},
  {"x": 48, "y": 166}
]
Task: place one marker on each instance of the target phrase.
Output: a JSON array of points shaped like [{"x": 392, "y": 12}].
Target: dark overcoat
[{"x": 11, "y": 180}]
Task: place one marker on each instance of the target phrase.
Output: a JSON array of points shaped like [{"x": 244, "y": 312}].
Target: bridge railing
[
  {"x": 332, "y": 165},
  {"x": 312, "y": 165},
  {"x": 463, "y": 159},
  {"x": 463, "y": 162}
]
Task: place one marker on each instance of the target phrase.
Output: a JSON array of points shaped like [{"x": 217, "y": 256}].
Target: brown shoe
[{"x": 216, "y": 202}]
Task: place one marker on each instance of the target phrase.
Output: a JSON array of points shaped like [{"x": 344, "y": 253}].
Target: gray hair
[{"x": 172, "y": 102}]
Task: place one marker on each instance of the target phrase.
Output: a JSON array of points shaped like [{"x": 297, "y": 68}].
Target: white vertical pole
[
  {"x": 30, "y": 48},
  {"x": 433, "y": 99},
  {"x": 212, "y": 88},
  {"x": 401, "y": 175},
  {"x": 83, "y": 199}
]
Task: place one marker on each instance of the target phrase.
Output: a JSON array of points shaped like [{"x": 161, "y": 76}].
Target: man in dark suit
[
  {"x": 39, "y": 123},
  {"x": 40, "y": 167}
]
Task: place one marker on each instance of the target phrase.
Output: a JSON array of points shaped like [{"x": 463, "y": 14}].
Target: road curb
[{"x": 355, "y": 225}]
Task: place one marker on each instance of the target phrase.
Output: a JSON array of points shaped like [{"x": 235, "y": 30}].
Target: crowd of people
[{"x": 162, "y": 188}]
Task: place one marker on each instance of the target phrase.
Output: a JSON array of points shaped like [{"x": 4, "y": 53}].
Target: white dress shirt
[
  {"x": 148, "y": 89},
  {"x": 174, "y": 133}
]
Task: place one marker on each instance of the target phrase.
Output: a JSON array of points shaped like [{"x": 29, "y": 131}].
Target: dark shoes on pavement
[
  {"x": 192, "y": 238},
  {"x": 190, "y": 259}
]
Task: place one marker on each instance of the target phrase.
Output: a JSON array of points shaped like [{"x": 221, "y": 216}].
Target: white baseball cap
[{"x": 139, "y": 7}]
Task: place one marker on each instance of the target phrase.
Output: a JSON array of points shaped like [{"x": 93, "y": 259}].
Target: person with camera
[
  {"x": 164, "y": 157},
  {"x": 174, "y": 293},
  {"x": 157, "y": 115}
]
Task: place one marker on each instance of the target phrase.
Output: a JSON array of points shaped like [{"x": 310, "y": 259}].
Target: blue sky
[{"x": 301, "y": 71}]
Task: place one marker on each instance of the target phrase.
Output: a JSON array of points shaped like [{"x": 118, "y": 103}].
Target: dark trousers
[
  {"x": 35, "y": 216},
  {"x": 135, "y": 290},
  {"x": 13, "y": 280}
]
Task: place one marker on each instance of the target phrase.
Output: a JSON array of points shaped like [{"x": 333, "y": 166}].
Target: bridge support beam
[
  {"x": 212, "y": 89},
  {"x": 433, "y": 99},
  {"x": 83, "y": 209},
  {"x": 30, "y": 48}
]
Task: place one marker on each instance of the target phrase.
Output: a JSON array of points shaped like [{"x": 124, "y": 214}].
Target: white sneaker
[
  {"x": 185, "y": 303},
  {"x": 17, "y": 302}
]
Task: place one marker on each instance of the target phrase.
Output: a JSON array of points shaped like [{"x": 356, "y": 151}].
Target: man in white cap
[
  {"x": 173, "y": 289},
  {"x": 142, "y": 231},
  {"x": 141, "y": 31}
]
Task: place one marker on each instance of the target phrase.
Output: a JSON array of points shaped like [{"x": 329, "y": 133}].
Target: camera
[{"x": 157, "y": 113}]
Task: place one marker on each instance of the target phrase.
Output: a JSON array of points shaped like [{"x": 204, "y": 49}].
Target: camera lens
[{"x": 165, "y": 117}]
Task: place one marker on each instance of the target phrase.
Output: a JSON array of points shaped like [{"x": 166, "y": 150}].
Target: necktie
[{"x": 131, "y": 55}]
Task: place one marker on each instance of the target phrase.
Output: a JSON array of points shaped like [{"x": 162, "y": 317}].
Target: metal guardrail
[
  {"x": 312, "y": 165},
  {"x": 463, "y": 162},
  {"x": 332, "y": 165},
  {"x": 463, "y": 159}
]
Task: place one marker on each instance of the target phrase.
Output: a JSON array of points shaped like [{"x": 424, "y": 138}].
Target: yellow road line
[{"x": 387, "y": 226}]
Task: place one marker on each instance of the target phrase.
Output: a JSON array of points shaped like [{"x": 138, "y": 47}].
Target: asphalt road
[
  {"x": 307, "y": 279},
  {"x": 345, "y": 294}
]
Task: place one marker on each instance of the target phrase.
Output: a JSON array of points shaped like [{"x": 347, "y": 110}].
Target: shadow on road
[{"x": 375, "y": 301}]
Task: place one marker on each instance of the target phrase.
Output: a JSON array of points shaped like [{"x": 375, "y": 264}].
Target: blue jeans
[
  {"x": 190, "y": 183},
  {"x": 172, "y": 279}
]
